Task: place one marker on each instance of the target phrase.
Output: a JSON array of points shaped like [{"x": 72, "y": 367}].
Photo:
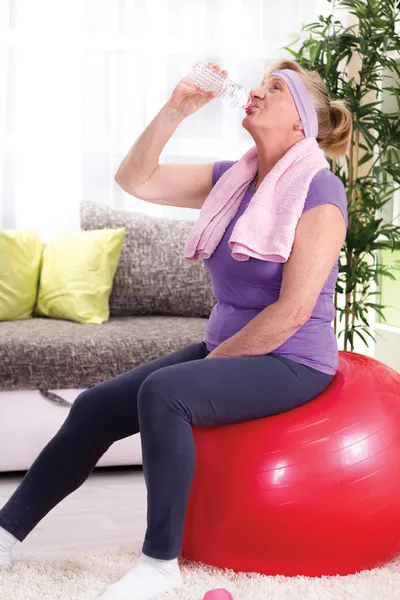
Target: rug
[{"x": 84, "y": 576}]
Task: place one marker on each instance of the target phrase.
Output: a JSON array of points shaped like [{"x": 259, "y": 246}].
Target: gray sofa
[{"x": 159, "y": 302}]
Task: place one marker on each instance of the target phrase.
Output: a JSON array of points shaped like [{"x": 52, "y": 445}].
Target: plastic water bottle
[{"x": 209, "y": 80}]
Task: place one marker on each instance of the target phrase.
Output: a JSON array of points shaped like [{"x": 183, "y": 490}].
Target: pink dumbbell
[{"x": 219, "y": 594}]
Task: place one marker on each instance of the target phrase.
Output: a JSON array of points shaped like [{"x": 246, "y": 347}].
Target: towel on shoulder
[{"x": 267, "y": 228}]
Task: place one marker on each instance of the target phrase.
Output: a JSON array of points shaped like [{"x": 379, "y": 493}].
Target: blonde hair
[{"x": 334, "y": 118}]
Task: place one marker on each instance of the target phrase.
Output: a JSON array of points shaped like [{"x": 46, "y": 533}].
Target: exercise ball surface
[{"x": 312, "y": 491}]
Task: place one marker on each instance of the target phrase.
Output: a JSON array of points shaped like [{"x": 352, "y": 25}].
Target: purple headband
[{"x": 302, "y": 99}]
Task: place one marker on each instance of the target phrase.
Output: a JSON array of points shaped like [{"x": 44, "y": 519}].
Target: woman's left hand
[{"x": 218, "y": 353}]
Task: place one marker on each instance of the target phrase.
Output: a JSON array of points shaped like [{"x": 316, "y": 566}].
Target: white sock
[
  {"x": 149, "y": 577},
  {"x": 7, "y": 541}
]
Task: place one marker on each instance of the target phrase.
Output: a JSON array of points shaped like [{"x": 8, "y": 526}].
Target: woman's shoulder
[
  {"x": 326, "y": 176},
  {"x": 220, "y": 167},
  {"x": 327, "y": 188}
]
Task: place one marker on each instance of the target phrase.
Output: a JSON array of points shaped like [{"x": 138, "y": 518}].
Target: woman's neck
[{"x": 268, "y": 157}]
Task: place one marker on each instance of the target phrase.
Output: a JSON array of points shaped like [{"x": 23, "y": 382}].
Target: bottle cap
[{"x": 249, "y": 104}]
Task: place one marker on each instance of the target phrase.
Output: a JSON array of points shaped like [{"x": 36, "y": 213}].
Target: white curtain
[{"x": 81, "y": 79}]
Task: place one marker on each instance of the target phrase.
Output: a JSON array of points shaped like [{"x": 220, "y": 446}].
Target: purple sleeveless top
[{"x": 244, "y": 289}]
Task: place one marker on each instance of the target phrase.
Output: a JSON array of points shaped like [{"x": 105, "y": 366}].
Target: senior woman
[{"x": 269, "y": 345}]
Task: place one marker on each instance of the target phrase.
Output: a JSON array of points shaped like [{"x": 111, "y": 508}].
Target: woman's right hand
[{"x": 187, "y": 97}]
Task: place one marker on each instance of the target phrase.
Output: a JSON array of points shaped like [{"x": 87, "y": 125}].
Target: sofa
[{"x": 159, "y": 302}]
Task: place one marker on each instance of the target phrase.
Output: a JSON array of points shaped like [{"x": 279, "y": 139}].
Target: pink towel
[{"x": 267, "y": 227}]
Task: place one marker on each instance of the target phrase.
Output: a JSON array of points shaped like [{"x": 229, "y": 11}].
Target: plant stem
[
  {"x": 355, "y": 161},
  {"x": 349, "y": 253},
  {"x": 351, "y": 158},
  {"x": 336, "y": 308},
  {"x": 349, "y": 256},
  {"x": 353, "y": 313}
]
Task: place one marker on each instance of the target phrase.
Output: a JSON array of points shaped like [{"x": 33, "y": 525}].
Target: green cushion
[
  {"x": 20, "y": 256},
  {"x": 77, "y": 275}
]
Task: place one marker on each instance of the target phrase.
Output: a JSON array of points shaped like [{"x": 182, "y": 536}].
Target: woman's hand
[
  {"x": 187, "y": 97},
  {"x": 218, "y": 353}
]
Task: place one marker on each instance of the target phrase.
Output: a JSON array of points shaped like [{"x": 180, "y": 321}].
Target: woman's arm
[
  {"x": 319, "y": 237},
  {"x": 142, "y": 159}
]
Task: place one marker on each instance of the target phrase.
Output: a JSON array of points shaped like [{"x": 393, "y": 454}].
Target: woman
[{"x": 269, "y": 337}]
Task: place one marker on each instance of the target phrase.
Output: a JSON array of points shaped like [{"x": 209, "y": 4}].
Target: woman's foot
[
  {"x": 149, "y": 577},
  {"x": 7, "y": 541}
]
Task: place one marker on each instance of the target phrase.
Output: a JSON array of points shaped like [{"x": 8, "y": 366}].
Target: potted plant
[{"x": 371, "y": 169}]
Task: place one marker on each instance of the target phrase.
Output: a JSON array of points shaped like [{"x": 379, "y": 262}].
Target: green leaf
[
  {"x": 368, "y": 156},
  {"x": 315, "y": 50},
  {"x": 366, "y": 133},
  {"x": 365, "y": 109},
  {"x": 358, "y": 332},
  {"x": 381, "y": 22},
  {"x": 292, "y": 52}
]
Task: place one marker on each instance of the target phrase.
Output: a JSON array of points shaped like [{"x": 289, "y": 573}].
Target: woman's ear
[{"x": 299, "y": 126}]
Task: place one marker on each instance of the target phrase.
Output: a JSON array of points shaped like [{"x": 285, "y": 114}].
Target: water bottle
[{"x": 209, "y": 80}]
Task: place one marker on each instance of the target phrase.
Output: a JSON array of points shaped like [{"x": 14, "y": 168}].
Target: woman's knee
[
  {"x": 84, "y": 404},
  {"x": 158, "y": 394},
  {"x": 151, "y": 391}
]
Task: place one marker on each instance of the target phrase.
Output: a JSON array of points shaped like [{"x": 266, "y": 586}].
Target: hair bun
[{"x": 339, "y": 137}]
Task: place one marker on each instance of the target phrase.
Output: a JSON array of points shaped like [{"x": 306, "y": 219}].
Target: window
[{"x": 81, "y": 79}]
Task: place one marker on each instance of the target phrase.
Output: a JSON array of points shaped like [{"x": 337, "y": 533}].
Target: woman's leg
[
  {"x": 99, "y": 416},
  {"x": 212, "y": 392}
]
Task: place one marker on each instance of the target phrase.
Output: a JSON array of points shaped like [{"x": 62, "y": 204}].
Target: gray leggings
[{"x": 162, "y": 399}]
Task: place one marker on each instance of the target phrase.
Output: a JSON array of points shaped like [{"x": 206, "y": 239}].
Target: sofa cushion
[
  {"x": 42, "y": 353},
  {"x": 77, "y": 274},
  {"x": 20, "y": 259},
  {"x": 153, "y": 277}
]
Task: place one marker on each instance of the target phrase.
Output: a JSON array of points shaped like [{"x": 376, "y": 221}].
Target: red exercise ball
[{"x": 313, "y": 491}]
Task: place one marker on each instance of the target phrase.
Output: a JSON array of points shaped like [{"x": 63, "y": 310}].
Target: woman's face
[{"x": 274, "y": 108}]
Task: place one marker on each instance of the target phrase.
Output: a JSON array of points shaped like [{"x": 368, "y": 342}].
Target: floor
[{"x": 106, "y": 512}]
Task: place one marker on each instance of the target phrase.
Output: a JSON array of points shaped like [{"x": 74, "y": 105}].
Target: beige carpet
[{"x": 83, "y": 576}]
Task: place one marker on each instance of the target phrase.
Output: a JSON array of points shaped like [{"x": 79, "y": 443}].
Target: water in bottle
[{"x": 210, "y": 80}]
